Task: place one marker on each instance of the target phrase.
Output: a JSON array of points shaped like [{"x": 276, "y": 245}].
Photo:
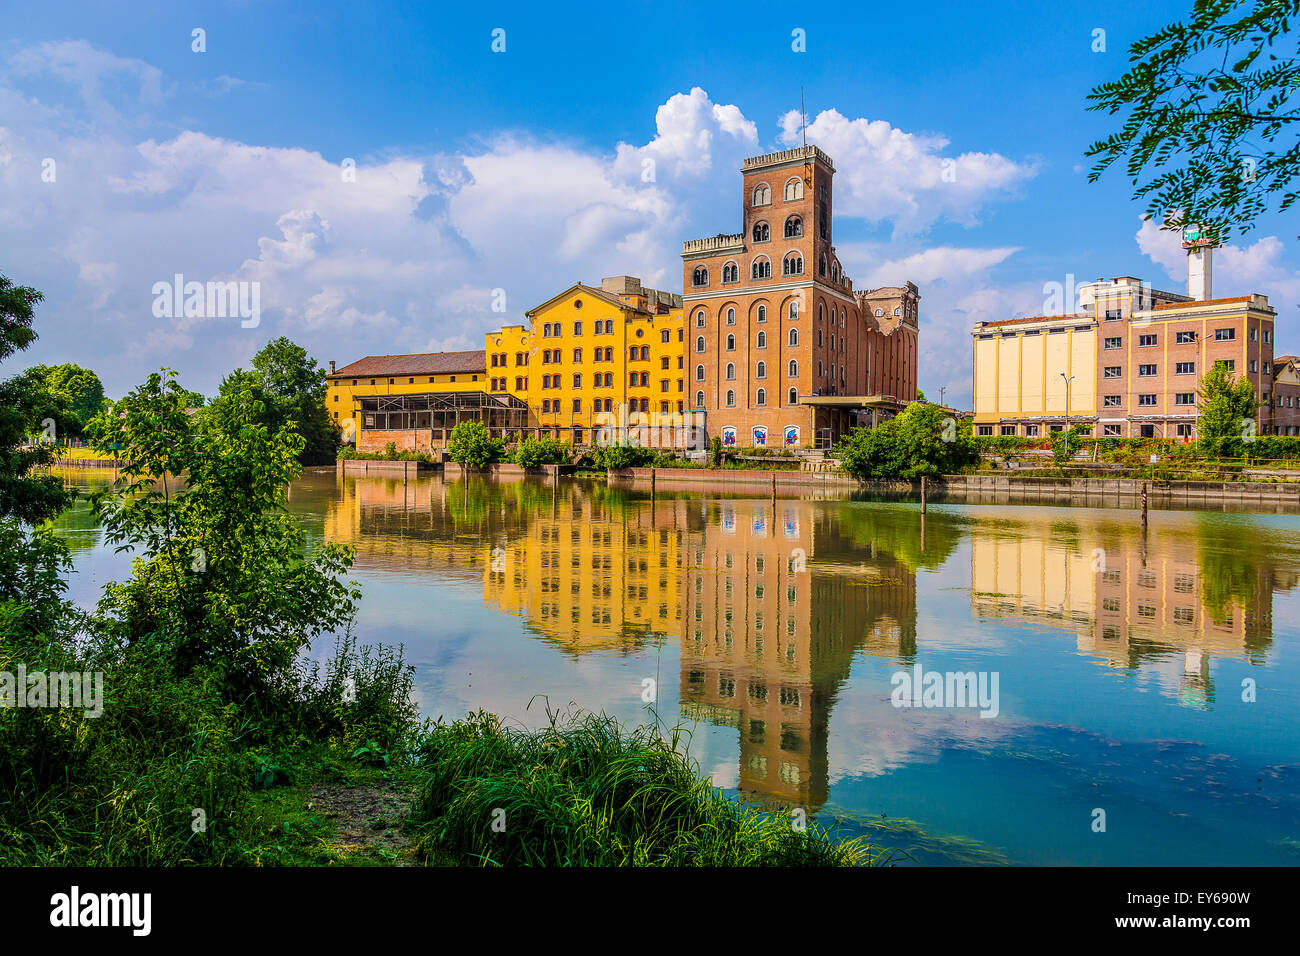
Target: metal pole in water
[
  {"x": 1144, "y": 506},
  {"x": 923, "y": 494}
]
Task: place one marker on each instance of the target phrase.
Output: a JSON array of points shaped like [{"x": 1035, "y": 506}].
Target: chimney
[
  {"x": 331, "y": 366},
  {"x": 1199, "y": 263}
]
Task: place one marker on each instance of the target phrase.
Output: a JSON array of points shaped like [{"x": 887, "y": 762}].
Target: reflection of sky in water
[{"x": 1120, "y": 689}]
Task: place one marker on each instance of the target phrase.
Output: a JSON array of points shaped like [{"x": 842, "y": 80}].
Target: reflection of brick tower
[{"x": 769, "y": 634}]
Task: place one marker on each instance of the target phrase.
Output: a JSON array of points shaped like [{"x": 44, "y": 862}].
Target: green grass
[{"x": 587, "y": 792}]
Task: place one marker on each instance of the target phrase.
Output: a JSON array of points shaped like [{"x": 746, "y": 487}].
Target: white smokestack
[{"x": 1200, "y": 273}]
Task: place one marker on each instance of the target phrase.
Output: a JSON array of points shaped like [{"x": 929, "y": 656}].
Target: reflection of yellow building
[
  {"x": 589, "y": 577},
  {"x": 1130, "y": 600},
  {"x": 616, "y": 351}
]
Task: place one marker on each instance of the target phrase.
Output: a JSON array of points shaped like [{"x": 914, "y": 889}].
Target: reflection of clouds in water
[{"x": 876, "y": 738}]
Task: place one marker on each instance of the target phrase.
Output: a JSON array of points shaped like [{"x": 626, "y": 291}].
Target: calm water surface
[{"x": 773, "y": 633}]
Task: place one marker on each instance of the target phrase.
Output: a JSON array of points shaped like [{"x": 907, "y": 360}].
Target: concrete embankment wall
[
  {"x": 383, "y": 469},
  {"x": 1098, "y": 492}
]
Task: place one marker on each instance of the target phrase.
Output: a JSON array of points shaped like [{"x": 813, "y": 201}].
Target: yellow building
[
  {"x": 1023, "y": 369},
  {"x": 587, "y": 358}
]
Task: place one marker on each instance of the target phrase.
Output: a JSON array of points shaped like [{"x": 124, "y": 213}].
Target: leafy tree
[
  {"x": 224, "y": 575},
  {"x": 922, "y": 441},
  {"x": 1211, "y": 133},
  {"x": 72, "y": 397},
  {"x": 290, "y": 385},
  {"x": 1224, "y": 403},
  {"x": 472, "y": 446},
  {"x": 25, "y": 497}
]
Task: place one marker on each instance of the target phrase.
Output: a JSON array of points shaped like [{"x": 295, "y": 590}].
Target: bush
[
  {"x": 535, "y": 452},
  {"x": 620, "y": 457},
  {"x": 472, "y": 446}
]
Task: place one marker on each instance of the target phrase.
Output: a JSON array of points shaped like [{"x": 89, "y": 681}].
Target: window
[
  {"x": 761, "y": 397},
  {"x": 577, "y": 404},
  {"x": 699, "y": 373},
  {"x": 793, "y": 189},
  {"x": 1268, "y": 335},
  {"x": 1184, "y": 368},
  {"x": 1254, "y": 365},
  {"x": 761, "y": 232},
  {"x": 1224, "y": 335},
  {"x": 1184, "y": 338},
  {"x": 700, "y": 276},
  {"x": 699, "y": 399},
  {"x": 1111, "y": 371},
  {"x": 1146, "y": 371},
  {"x": 1110, "y": 431},
  {"x": 1185, "y": 398},
  {"x": 1031, "y": 431},
  {"x": 699, "y": 343},
  {"x": 731, "y": 316},
  {"x": 663, "y": 362},
  {"x": 1146, "y": 341},
  {"x": 794, "y": 368},
  {"x": 1008, "y": 429},
  {"x": 1184, "y": 429},
  {"x": 762, "y": 195},
  {"x": 731, "y": 343},
  {"x": 793, "y": 397},
  {"x": 761, "y": 341},
  {"x": 984, "y": 430},
  {"x": 793, "y": 227},
  {"x": 731, "y": 399},
  {"x": 663, "y": 385},
  {"x": 1110, "y": 401},
  {"x": 731, "y": 372},
  {"x": 762, "y": 268},
  {"x": 577, "y": 380},
  {"x": 761, "y": 314},
  {"x": 794, "y": 337},
  {"x": 1113, "y": 314},
  {"x": 1114, "y": 342},
  {"x": 792, "y": 265},
  {"x": 1146, "y": 401},
  {"x": 761, "y": 370},
  {"x": 731, "y": 272},
  {"x": 1229, "y": 365}
]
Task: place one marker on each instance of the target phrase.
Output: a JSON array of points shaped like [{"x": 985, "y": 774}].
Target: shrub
[
  {"x": 472, "y": 446},
  {"x": 922, "y": 441},
  {"x": 535, "y": 452}
]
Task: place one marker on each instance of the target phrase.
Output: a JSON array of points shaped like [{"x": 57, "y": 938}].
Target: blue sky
[{"x": 522, "y": 171}]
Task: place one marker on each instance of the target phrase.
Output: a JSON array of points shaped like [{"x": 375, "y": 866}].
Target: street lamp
[{"x": 1067, "y": 400}]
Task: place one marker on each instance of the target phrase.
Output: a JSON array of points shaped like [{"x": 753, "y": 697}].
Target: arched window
[
  {"x": 699, "y": 319},
  {"x": 762, "y": 340},
  {"x": 821, "y": 311},
  {"x": 731, "y": 316},
  {"x": 762, "y": 268},
  {"x": 731, "y": 372},
  {"x": 794, "y": 189},
  {"x": 700, "y": 276},
  {"x": 699, "y": 343},
  {"x": 794, "y": 309},
  {"x": 699, "y": 373},
  {"x": 762, "y": 194},
  {"x": 793, "y": 227},
  {"x": 761, "y": 371},
  {"x": 794, "y": 368},
  {"x": 792, "y": 265},
  {"x": 761, "y": 232},
  {"x": 731, "y": 399},
  {"x": 731, "y": 343},
  {"x": 699, "y": 399},
  {"x": 898, "y": 311},
  {"x": 761, "y": 397},
  {"x": 879, "y": 313},
  {"x": 731, "y": 272},
  {"x": 794, "y": 397},
  {"x": 821, "y": 265},
  {"x": 794, "y": 336},
  {"x": 835, "y": 271},
  {"x": 762, "y": 313}
]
